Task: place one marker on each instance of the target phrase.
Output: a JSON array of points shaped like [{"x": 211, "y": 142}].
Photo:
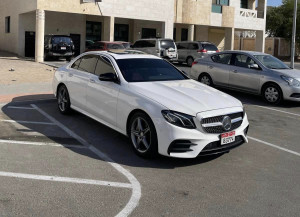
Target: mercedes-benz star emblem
[{"x": 226, "y": 122}]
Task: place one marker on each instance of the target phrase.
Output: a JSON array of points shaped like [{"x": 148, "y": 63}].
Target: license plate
[
  {"x": 63, "y": 48},
  {"x": 227, "y": 138}
]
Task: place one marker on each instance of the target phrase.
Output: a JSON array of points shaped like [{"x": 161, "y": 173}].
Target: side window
[
  {"x": 222, "y": 58},
  {"x": 137, "y": 44},
  {"x": 88, "y": 63},
  {"x": 179, "y": 46},
  {"x": 150, "y": 43},
  {"x": 193, "y": 46},
  {"x": 243, "y": 61},
  {"x": 104, "y": 66},
  {"x": 76, "y": 64}
]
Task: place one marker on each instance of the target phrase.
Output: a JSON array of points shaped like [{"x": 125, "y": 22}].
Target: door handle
[
  {"x": 211, "y": 67},
  {"x": 70, "y": 74},
  {"x": 92, "y": 81},
  {"x": 235, "y": 71}
]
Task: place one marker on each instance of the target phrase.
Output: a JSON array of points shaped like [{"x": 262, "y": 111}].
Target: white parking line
[
  {"x": 65, "y": 179},
  {"x": 28, "y": 122},
  {"x": 19, "y": 107},
  {"x": 277, "y": 110},
  {"x": 274, "y": 146},
  {"x": 3, "y": 141},
  {"x": 136, "y": 187}
]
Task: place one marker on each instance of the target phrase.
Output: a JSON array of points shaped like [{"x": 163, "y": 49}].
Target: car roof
[
  {"x": 123, "y": 55},
  {"x": 109, "y": 42},
  {"x": 244, "y": 52},
  {"x": 160, "y": 39}
]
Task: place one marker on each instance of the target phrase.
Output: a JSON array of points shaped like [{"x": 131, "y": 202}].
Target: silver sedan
[{"x": 252, "y": 72}]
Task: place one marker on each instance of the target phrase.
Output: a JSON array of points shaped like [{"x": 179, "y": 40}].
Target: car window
[
  {"x": 193, "y": 46},
  {"x": 115, "y": 46},
  {"x": 61, "y": 39},
  {"x": 166, "y": 44},
  {"x": 222, "y": 58},
  {"x": 243, "y": 61},
  {"x": 97, "y": 45},
  {"x": 209, "y": 47},
  {"x": 76, "y": 64},
  {"x": 271, "y": 62},
  {"x": 104, "y": 66},
  {"x": 88, "y": 63},
  {"x": 138, "y": 44},
  {"x": 145, "y": 70}
]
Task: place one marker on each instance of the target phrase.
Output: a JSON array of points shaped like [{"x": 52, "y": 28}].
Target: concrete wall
[{"x": 217, "y": 36}]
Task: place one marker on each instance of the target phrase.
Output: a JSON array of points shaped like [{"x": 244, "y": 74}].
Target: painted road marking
[
  {"x": 19, "y": 107},
  {"x": 274, "y": 146},
  {"x": 65, "y": 179},
  {"x": 277, "y": 110},
  {"x": 28, "y": 122},
  {"x": 136, "y": 187},
  {"x": 3, "y": 141}
]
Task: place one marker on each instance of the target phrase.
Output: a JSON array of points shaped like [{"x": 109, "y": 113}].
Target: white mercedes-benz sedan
[{"x": 155, "y": 104}]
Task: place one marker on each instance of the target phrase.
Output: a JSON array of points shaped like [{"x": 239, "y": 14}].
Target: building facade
[{"x": 23, "y": 24}]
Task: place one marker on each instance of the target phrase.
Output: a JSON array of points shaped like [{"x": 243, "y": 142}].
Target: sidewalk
[{"x": 22, "y": 77}]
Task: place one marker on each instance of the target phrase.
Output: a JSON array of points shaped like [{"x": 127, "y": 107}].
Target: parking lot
[{"x": 56, "y": 165}]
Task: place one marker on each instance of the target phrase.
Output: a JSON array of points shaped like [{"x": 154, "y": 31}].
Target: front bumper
[
  {"x": 168, "y": 133},
  {"x": 291, "y": 93},
  {"x": 61, "y": 54}
]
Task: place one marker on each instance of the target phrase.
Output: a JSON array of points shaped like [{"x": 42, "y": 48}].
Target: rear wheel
[
  {"x": 63, "y": 100},
  {"x": 205, "y": 79},
  {"x": 190, "y": 61},
  {"x": 69, "y": 59},
  {"x": 143, "y": 135},
  {"x": 272, "y": 94}
]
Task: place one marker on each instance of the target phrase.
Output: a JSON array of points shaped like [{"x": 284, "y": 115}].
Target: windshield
[
  {"x": 209, "y": 47},
  {"x": 271, "y": 62},
  {"x": 126, "y": 45},
  {"x": 57, "y": 40},
  {"x": 115, "y": 46},
  {"x": 166, "y": 44},
  {"x": 144, "y": 70}
]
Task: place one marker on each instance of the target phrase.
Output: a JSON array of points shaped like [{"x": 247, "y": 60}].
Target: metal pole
[{"x": 294, "y": 35}]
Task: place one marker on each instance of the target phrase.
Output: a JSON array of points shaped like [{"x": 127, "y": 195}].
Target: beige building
[{"x": 23, "y": 24}]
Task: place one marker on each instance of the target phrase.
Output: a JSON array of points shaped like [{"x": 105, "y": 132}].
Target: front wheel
[
  {"x": 190, "y": 61},
  {"x": 272, "y": 94},
  {"x": 143, "y": 135},
  {"x": 63, "y": 100},
  {"x": 205, "y": 79}
]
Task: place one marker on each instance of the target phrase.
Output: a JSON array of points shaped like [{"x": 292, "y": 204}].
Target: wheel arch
[
  {"x": 268, "y": 83},
  {"x": 133, "y": 112},
  {"x": 58, "y": 86}
]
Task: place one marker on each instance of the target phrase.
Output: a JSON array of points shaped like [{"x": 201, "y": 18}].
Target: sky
[{"x": 274, "y": 2}]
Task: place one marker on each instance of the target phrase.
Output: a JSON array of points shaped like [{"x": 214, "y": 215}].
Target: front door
[
  {"x": 102, "y": 96},
  {"x": 241, "y": 76}
]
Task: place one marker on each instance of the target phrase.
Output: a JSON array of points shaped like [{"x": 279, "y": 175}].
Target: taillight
[
  {"x": 195, "y": 62},
  {"x": 202, "y": 51},
  {"x": 217, "y": 51}
]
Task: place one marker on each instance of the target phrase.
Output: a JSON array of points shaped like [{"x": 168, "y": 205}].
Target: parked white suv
[
  {"x": 155, "y": 104},
  {"x": 165, "y": 48}
]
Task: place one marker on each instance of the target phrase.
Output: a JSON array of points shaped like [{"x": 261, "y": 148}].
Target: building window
[
  {"x": 184, "y": 34},
  {"x": 217, "y": 5},
  {"x": 93, "y": 31},
  {"x": 121, "y": 32},
  {"x": 244, "y": 4},
  {"x": 7, "y": 24},
  {"x": 148, "y": 33}
]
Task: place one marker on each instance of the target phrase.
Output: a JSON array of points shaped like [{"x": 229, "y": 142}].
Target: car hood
[
  {"x": 186, "y": 96},
  {"x": 289, "y": 72}
]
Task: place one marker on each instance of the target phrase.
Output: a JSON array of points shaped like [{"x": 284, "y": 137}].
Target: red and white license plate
[
  {"x": 63, "y": 48},
  {"x": 227, "y": 138}
]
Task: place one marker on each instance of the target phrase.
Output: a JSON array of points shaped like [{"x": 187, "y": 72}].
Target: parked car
[
  {"x": 188, "y": 51},
  {"x": 89, "y": 43},
  {"x": 57, "y": 46},
  {"x": 251, "y": 72},
  {"x": 125, "y": 44},
  {"x": 105, "y": 46},
  {"x": 124, "y": 92},
  {"x": 165, "y": 48}
]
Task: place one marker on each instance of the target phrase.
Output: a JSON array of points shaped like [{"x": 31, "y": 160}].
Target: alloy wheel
[
  {"x": 205, "y": 80},
  {"x": 63, "y": 99},
  {"x": 141, "y": 135}
]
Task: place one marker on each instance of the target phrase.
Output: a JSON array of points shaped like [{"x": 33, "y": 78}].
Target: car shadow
[{"x": 113, "y": 144}]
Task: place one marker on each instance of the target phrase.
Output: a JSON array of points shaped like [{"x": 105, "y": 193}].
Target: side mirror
[
  {"x": 254, "y": 66},
  {"x": 111, "y": 77}
]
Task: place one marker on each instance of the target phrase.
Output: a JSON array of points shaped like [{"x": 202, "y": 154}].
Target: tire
[
  {"x": 205, "y": 78},
  {"x": 63, "y": 100},
  {"x": 190, "y": 61},
  {"x": 143, "y": 135},
  {"x": 68, "y": 59},
  {"x": 272, "y": 94}
]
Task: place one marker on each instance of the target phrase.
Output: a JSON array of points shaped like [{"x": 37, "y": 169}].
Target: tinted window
[
  {"x": 138, "y": 44},
  {"x": 126, "y": 45},
  {"x": 59, "y": 39},
  {"x": 182, "y": 46},
  {"x": 193, "y": 46},
  {"x": 143, "y": 70},
  {"x": 88, "y": 63},
  {"x": 165, "y": 44},
  {"x": 243, "y": 61},
  {"x": 97, "y": 45},
  {"x": 209, "y": 47},
  {"x": 104, "y": 66},
  {"x": 115, "y": 46},
  {"x": 222, "y": 58},
  {"x": 76, "y": 64}
]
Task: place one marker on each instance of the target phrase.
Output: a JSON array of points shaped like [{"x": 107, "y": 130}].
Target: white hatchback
[{"x": 155, "y": 104}]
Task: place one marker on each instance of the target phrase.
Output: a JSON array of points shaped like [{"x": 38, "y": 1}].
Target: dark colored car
[
  {"x": 105, "y": 46},
  {"x": 57, "y": 46}
]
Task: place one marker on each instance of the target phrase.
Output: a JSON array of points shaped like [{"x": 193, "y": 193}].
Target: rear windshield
[
  {"x": 209, "y": 47},
  {"x": 57, "y": 40},
  {"x": 115, "y": 46},
  {"x": 126, "y": 45},
  {"x": 165, "y": 44}
]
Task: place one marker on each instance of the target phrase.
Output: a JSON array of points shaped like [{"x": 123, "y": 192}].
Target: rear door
[
  {"x": 219, "y": 68},
  {"x": 242, "y": 77},
  {"x": 78, "y": 79}
]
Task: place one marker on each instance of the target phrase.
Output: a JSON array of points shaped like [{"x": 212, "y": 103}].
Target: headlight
[
  {"x": 291, "y": 81},
  {"x": 179, "y": 119}
]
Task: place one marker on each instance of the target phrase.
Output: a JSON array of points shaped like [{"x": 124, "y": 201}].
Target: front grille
[
  {"x": 218, "y": 120},
  {"x": 180, "y": 146}
]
